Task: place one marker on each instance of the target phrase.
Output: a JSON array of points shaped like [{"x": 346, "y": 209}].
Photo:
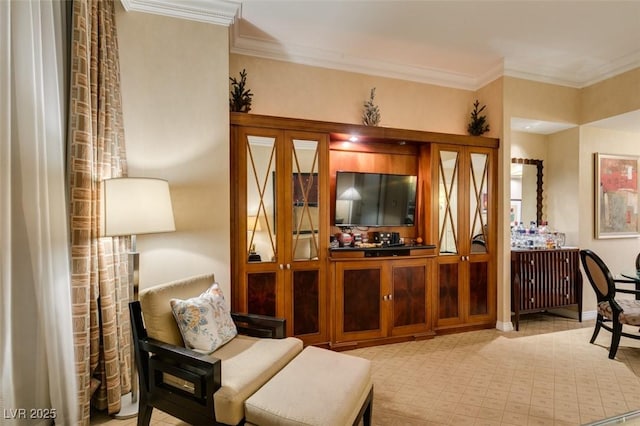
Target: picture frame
[
  {"x": 616, "y": 196},
  {"x": 301, "y": 183}
]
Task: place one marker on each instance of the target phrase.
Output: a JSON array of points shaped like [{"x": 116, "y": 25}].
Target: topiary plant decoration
[
  {"x": 240, "y": 100},
  {"x": 478, "y": 124},
  {"x": 371, "y": 114}
]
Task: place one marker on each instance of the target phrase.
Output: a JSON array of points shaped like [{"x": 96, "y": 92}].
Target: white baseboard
[
  {"x": 504, "y": 325},
  {"x": 586, "y": 316}
]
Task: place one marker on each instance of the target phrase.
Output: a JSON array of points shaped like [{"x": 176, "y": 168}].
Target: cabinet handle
[
  {"x": 532, "y": 300},
  {"x": 532, "y": 263},
  {"x": 567, "y": 296},
  {"x": 384, "y": 297},
  {"x": 566, "y": 260},
  {"x": 281, "y": 266},
  {"x": 390, "y": 297},
  {"x": 288, "y": 266}
]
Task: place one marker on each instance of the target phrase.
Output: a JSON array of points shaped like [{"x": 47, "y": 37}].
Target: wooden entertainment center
[{"x": 286, "y": 264}]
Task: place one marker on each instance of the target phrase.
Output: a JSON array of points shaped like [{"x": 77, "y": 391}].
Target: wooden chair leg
[
  {"x": 597, "y": 329},
  {"x": 144, "y": 414},
  {"x": 366, "y": 418},
  {"x": 615, "y": 339}
]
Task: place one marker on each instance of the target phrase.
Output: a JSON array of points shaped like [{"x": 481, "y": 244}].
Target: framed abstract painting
[{"x": 616, "y": 196}]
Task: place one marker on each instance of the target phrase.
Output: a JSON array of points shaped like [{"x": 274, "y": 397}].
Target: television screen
[{"x": 375, "y": 199}]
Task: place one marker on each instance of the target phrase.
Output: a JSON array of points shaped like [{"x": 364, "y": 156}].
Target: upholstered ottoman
[{"x": 318, "y": 387}]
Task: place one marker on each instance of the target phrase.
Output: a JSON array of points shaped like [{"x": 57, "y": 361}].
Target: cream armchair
[{"x": 197, "y": 388}]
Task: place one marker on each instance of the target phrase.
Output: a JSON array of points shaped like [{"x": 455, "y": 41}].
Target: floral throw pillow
[{"x": 204, "y": 321}]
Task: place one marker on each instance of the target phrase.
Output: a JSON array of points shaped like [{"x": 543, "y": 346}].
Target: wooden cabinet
[
  {"x": 545, "y": 279},
  {"x": 279, "y": 228},
  {"x": 283, "y": 196},
  {"x": 381, "y": 298},
  {"x": 465, "y": 206}
]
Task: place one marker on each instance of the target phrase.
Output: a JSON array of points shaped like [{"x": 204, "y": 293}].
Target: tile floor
[{"x": 545, "y": 374}]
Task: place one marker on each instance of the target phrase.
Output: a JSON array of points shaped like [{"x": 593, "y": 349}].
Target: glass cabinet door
[
  {"x": 478, "y": 202},
  {"x": 261, "y": 198},
  {"x": 464, "y": 213},
  {"x": 305, "y": 199},
  {"x": 261, "y": 250},
  {"x": 282, "y": 270},
  {"x": 449, "y": 282},
  {"x": 478, "y": 237},
  {"x": 448, "y": 170}
]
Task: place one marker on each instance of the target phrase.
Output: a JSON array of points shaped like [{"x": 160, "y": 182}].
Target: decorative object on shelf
[
  {"x": 240, "y": 100},
  {"x": 371, "y": 114},
  {"x": 478, "y": 124}
]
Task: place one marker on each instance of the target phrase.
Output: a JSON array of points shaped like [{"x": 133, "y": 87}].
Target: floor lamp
[{"x": 134, "y": 206}]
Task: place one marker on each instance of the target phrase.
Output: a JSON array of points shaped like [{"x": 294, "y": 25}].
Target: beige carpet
[{"x": 545, "y": 374}]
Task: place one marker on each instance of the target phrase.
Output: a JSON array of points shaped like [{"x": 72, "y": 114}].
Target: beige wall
[
  {"x": 534, "y": 147},
  {"x": 611, "y": 97},
  {"x": 619, "y": 254},
  {"x": 301, "y": 91},
  {"x": 561, "y": 170},
  {"x": 541, "y": 101},
  {"x": 175, "y": 99},
  {"x": 528, "y": 145}
]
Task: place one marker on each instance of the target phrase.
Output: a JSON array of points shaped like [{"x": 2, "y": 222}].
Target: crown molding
[
  {"x": 267, "y": 49},
  {"x": 219, "y": 12},
  {"x": 577, "y": 79},
  {"x": 243, "y": 45}
]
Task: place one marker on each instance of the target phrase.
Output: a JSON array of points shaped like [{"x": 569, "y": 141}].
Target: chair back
[
  {"x": 598, "y": 274},
  {"x": 156, "y": 306}
]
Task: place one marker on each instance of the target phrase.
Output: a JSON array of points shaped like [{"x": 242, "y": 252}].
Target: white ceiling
[
  {"x": 463, "y": 44},
  {"x": 456, "y": 43}
]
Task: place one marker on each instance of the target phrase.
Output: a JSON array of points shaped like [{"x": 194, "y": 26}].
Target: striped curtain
[{"x": 99, "y": 268}]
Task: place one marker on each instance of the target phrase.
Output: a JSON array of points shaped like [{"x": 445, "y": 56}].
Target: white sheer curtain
[{"x": 36, "y": 341}]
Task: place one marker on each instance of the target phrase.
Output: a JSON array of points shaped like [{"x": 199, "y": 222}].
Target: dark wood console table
[{"x": 545, "y": 279}]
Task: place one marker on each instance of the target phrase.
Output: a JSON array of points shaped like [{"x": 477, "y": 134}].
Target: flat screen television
[{"x": 374, "y": 199}]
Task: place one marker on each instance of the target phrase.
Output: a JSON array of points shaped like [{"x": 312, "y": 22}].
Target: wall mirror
[{"x": 526, "y": 191}]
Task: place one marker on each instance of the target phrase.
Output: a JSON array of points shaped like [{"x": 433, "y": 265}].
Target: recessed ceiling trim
[
  {"x": 243, "y": 45},
  {"x": 617, "y": 67},
  {"x": 527, "y": 75},
  {"x": 540, "y": 127},
  {"x": 575, "y": 80},
  {"x": 219, "y": 12}
]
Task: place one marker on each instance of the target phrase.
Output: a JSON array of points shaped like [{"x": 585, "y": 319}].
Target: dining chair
[{"x": 613, "y": 312}]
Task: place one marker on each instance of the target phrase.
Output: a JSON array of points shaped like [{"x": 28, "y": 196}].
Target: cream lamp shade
[
  {"x": 350, "y": 194},
  {"x": 136, "y": 205},
  {"x": 253, "y": 224}
]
